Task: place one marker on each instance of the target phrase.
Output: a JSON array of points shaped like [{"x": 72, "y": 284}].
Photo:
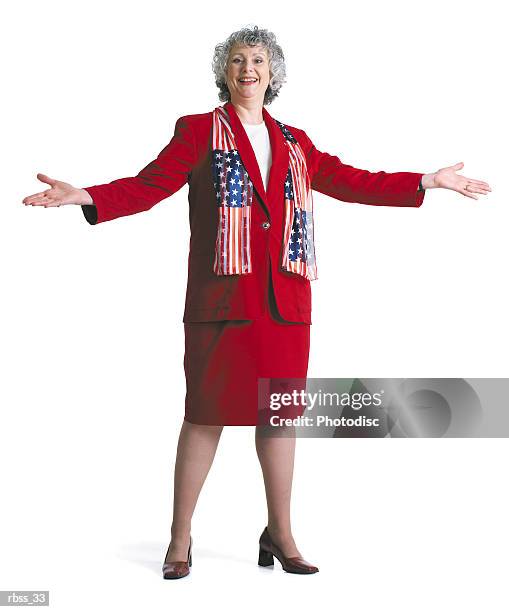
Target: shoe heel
[{"x": 265, "y": 558}]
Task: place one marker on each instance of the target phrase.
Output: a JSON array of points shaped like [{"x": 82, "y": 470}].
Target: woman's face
[{"x": 248, "y": 63}]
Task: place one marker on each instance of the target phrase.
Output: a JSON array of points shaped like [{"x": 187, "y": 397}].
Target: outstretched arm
[
  {"x": 329, "y": 175},
  {"x": 161, "y": 178}
]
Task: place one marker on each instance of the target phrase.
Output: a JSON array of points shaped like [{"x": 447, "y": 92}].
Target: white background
[{"x": 93, "y": 386}]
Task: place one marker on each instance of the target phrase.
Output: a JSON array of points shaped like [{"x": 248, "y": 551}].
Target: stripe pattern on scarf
[
  {"x": 234, "y": 198},
  {"x": 298, "y": 238}
]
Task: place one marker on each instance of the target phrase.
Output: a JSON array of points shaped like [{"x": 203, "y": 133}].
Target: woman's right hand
[{"x": 58, "y": 194}]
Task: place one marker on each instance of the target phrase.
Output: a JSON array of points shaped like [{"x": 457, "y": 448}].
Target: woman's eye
[{"x": 237, "y": 59}]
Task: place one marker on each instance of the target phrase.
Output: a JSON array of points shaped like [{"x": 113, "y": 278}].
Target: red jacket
[{"x": 188, "y": 159}]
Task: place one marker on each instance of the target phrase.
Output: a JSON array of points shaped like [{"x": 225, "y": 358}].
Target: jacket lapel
[{"x": 280, "y": 157}]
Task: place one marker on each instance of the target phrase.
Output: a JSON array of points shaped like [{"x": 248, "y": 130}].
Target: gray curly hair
[{"x": 250, "y": 36}]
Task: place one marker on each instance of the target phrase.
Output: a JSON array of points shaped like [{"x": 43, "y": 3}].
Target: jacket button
[{"x": 265, "y": 225}]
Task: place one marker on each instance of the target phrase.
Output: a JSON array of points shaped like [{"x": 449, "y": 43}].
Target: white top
[{"x": 259, "y": 138}]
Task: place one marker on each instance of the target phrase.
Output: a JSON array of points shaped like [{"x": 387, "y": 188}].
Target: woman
[{"x": 251, "y": 260}]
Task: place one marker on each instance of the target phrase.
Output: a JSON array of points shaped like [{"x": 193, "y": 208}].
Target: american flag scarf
[{"x": 234, "y": 198}]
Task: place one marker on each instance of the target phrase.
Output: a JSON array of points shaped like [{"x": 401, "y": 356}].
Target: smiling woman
[
  {"x": 250, "y": 52},
  {"x": 251, "y": 259},
  {"x": 248, "y": 68}
]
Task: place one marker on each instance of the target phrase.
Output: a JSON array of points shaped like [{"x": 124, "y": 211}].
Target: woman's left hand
[{"x": 448, "y": 179}]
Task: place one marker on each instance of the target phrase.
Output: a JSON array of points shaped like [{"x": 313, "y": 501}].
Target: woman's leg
[
  {"x": 276, "y": 455},
  {"x": 195, "y": 452}
]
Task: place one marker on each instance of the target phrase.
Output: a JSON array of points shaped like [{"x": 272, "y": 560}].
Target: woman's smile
[{"x": 247, "y": 82}]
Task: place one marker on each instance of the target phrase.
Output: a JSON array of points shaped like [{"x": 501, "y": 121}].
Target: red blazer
[{"x": 188, "y": 159}]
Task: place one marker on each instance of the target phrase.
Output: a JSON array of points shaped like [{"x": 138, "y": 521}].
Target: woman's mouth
[{"x": 247, "y": 82}]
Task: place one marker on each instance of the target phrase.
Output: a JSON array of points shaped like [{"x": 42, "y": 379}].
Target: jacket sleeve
[
  {"x": 161, "y": 178},
  {"x": 330, "y": 176}
]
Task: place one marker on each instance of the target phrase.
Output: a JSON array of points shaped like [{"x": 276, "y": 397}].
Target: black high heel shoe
[
  {"x": 293, "y": 565},
  {"x": 178, "y": 569}
]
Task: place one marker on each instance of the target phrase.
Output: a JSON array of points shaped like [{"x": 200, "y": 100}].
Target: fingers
[
  {"x": 469, "y": 194},
  {"x": 38, "y": 198},
  {"x": 475, "y": 186},
  {"x": 47, "y": 204},
  {"x": 478, "y": 183},
  {"x": 46, "y": 179},
  {"x": 42, "y": 200},
  {"x": 476, "y": 189},
  {"x": 35, "y": 196}
]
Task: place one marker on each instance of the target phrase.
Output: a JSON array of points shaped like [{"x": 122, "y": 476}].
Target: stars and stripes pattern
[
  {"x": 234, "y": 197},
  {"x": 298, "y": 238}
]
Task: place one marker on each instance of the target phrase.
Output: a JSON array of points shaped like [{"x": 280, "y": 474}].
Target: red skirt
[{"x": 224, "y": 359}]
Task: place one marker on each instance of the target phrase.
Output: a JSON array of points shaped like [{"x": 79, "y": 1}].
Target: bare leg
[
  {"x": 276, "y": 455},
  {"x": 195, "y": 452}
]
